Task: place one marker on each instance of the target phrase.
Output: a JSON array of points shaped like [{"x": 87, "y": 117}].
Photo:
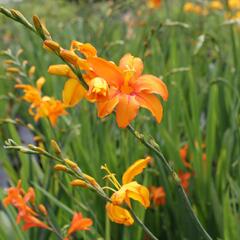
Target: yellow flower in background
[
  {"x": 234, "y": 4},
  {"x": 128, "y": 190},
  {"x": 215, "y": 5},
  {"x": 195, "y": 8}
]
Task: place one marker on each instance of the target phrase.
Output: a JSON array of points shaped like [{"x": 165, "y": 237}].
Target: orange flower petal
[
  {"x": 131, "y": 63},
  {"x": 119, "y": 215},
  {"x": 87, "y": 49},
  {"x": 135, "y": 169},
  {"x": 79, "y": 223},
  {"x": 151, "y": 102},
  {"x": 126, "y": 110},
  {"x": 151, "y": 84},
  {"x": 106, "y": 107},
  {"x": 106, "y": 70},
  {"x": 73, "y": 92}
]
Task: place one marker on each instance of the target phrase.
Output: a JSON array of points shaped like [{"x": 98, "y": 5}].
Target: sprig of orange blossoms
[
  {"x": 123, "y": 89},
  {"x": 42, "y": 106},
  {"x": 33, "y": 216}
]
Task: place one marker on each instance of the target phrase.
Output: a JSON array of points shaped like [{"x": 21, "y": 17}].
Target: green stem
[
  {"x": 142, "y": 225},
  {"x": 175, "y": 178}
]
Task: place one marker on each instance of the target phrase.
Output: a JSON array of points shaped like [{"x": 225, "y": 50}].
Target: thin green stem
[
  {"x": 175, "y": 178},
  {"x": 142, "y": 225}
]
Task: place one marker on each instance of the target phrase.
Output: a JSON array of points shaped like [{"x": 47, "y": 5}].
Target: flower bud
[
  {"x": 72, "y": 164},
  {"x": 60, "y": 167},
  {"x": 42, "y": 209},
  {"x": 55, "y": 147},
  {"x": 79, "y": 183},
  {"x": 91, "y": 180},
  {"x": 52, "y": 45}
]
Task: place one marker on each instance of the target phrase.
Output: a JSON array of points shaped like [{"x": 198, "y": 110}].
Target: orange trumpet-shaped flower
[
  {"x": 20, "y": 200},
  {"x": 79, "y": 223},
  {"x": 129, "y": 190},
  {"x": 158, "y": 195},
  {"x": 128, "y": 89}
]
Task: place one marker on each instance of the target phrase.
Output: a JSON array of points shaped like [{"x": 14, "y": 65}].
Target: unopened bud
[
  {"x": 18, "y": 16},
  {"x": 55, "y": 147},
  {"x": 13, "y": 70},
  {"x": 41, "y": 29},
  {"x": 31, "y": 71},
  {"x": 37, "y": 149},
  {"x": 72, "y": 164},
  {"x": 52, "y": 45},
  {"x": 30, "y": 126},
  {"x": 60, "y": 167},
  {"x": 79, "y": 183},
  {"x": 42, "y": 209},
  {"x": 91, "y": 180},
  {"x": 8, "y": 62},
  {"x": 69, "y": 56}
]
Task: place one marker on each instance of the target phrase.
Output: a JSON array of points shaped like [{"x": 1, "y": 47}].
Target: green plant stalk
[{"x": 175, "y": 178}]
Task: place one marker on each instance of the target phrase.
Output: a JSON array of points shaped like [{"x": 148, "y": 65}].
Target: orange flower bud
[
  {"x": 91, "y": 180},
  {"x": 79, "y": 183},
  {"x": 60, "y": 167},
  {"x": 55, "y": 147},
  {"x": 72, "y": 164},
  {"x": 42, "y": 209},
  {"x": 8, "y": 62},
  {"x": 13, "y": 70},
  {"x": 69, "y": 56},
  {"x": 31, "y": 71},
  {"x": 52, "y": 45}
]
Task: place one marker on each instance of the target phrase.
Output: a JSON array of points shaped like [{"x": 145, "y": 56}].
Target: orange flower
[
  {"x": 129, "y": 190},
  {"x": 183, "y": 154},
  {"x": 31, "y": 221},
  {"x": 158, "y": 195},
  {"x": 185, "y": 177},
  {"x": 32, "y": 94},
  {"x": 129, "y": 89},
  {"x": 79, "y": 223},
  {"x": 42, "y": 106},
  {"x": 50, "y": 108},
  {"x": 154, "y": 3},
  {"x": 19, "y": 199}
]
